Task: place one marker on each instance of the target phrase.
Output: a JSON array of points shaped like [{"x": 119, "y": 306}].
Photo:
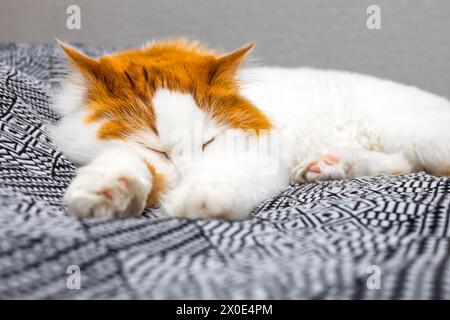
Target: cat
[{"x": 152, "y": 126}]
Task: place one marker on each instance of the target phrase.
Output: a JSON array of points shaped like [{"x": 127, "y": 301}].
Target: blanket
[{"x": 366, "y": 238}]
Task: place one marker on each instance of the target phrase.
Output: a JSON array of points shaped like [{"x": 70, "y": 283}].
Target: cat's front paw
[
  {"x": 104, "y": 191},
  {"x": 203, "y": 198},
  {"x": 324, "y": 167}
]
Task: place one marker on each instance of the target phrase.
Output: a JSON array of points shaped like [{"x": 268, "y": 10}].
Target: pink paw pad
[
  {"x": 314, "y": 168},
  {"x": 329, "y": 159},
  {"x": 125, "y": 183},
  {"x": 106, "y": 193}
]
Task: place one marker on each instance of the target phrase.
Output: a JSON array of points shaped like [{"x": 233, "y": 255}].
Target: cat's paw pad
[
  {"x": 106, "y": 192},
  {"x": 326, "y": 167},
  {"x": 206, "y": 199}
]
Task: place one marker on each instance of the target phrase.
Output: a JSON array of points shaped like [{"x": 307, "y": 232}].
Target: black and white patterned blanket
[{"x": 321, "y": 240}]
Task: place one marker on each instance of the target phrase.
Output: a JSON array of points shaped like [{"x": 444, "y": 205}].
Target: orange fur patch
[
  {"x": 159, "y": 186},
  {"x": 120, "y": 86},
  {"x": 398, "y": 172},
  {"x": 445, "y": 172}
]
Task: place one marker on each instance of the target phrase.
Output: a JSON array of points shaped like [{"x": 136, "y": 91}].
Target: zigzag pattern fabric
[{"x": 324, "y": 240}]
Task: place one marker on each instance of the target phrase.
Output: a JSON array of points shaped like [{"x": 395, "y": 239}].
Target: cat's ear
[
  {"x": 88, "y": 66},
  {"x": 226, "y": 67}
]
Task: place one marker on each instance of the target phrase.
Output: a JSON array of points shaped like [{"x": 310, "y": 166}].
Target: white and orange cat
[{"x": 162, "y": 125}]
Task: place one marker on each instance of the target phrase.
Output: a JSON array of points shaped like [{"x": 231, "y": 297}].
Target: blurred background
[{"x": 412, "y": 46}]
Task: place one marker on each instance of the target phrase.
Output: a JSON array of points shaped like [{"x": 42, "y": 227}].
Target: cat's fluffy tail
[{"x": 422, "y": 133}]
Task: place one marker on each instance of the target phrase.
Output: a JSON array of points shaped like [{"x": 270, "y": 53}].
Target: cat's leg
[
  {"x": 117, "y": 183},
  {"x": 428, "y": 152},
  {"x": 341, "y": 163},
  {"x": 224, "y": 189}
]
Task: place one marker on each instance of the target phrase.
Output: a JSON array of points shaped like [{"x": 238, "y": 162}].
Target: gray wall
[{"x": 413, "y": 45}]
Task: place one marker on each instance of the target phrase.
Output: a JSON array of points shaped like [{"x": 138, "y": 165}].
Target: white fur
[
  {"x": 373, "y": 126},
  {"x": 118, "y": 172},
  {"x": 182, "y": 126},
  {"x": 77, "y": 139},
  {"x": 317, "y": 110}
]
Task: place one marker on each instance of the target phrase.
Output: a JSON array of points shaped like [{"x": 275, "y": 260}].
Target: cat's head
[{"x": 162, "y": 87}]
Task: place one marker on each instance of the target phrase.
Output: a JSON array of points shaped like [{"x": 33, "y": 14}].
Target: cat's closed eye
[
  {"x": 207, "y": 143},
  {"x": 163, "y": 153}
]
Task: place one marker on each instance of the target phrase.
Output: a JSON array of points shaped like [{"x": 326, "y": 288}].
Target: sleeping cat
[{"x": 178, "y": 125}]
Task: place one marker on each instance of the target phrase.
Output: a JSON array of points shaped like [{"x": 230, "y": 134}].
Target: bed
[{"x": 366, "y": 238}]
